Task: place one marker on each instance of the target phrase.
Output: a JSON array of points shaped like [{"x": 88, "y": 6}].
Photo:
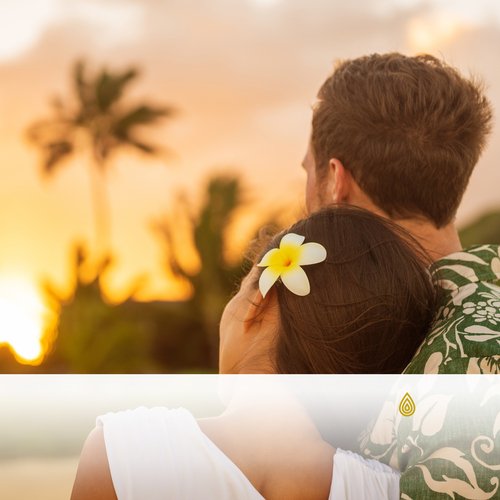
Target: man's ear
[
  {"x": 339, "y": 182},
  {"x": 259, "y": 309}
]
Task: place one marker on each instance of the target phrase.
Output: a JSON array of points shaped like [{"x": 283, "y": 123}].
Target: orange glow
[
  {"x": 248, "y": 116},
  {"x": 428, "y": 33},
  {"x": 22, "y": 319}
]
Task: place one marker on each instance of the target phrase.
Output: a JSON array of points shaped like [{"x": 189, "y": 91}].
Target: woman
[{"x": 342, "y": 291}]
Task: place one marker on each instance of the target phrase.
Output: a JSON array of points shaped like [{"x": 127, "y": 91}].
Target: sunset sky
[{"x": 242, "y": 74}]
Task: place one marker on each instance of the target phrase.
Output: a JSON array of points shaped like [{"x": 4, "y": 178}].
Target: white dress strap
[
  {"x": 158, "y": 454},
  {"x": 358, "y": 478}
]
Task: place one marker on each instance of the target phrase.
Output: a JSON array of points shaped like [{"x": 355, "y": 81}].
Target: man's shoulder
[
  {"x": 479, "y": 263},
  {"x": 465, "y": 335}
]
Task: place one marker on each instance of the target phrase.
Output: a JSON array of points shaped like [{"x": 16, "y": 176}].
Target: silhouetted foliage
[
  {"x": 95, "y": 336},
  {"x": 217, "y": 277},
  {"x": 484, "y": 230}
]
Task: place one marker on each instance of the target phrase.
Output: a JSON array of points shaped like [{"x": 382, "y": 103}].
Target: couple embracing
[{"x": 373, "y": 280}]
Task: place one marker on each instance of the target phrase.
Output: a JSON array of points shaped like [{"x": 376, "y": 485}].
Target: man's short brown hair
[{"x": 408, "y": 129}]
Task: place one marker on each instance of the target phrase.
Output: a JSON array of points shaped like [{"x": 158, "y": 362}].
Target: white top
[{"x": 159, "y": 453}]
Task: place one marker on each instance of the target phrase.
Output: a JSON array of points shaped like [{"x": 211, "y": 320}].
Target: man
[{"x": 400, "y": 136}]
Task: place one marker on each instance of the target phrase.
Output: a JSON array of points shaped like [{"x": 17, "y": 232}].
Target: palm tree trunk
[{"x": 101, "y": 206}]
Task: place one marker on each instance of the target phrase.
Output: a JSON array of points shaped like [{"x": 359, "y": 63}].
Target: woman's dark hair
[{"x": 371, "y": 302}]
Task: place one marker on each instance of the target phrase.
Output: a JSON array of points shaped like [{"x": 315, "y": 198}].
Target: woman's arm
[{"x": 93, "y": 477}]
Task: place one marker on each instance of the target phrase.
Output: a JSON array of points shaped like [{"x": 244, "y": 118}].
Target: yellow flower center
[{"x": 287, "y": 257}]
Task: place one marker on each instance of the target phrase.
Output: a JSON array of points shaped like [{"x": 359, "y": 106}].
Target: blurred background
[{"x": 143, "y": 144}]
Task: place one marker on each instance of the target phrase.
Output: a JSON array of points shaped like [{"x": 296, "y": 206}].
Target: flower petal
[
  {"x": 267, "y": 280},
  {"x": 312, "y": 253},
  {"x": 266, "y": 260},
  {"x": 296, "y": 281},
  {"x": 292, "y": 239}
]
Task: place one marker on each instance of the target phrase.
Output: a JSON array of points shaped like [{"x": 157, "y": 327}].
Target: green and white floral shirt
[
  {"x": 465, "y": 337},
  {"x": 444, "y": 450}
]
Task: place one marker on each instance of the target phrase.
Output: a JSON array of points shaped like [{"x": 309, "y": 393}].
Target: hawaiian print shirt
[
  {"x": 443, "y": 450},
  {"x": 465, "y": 337}
]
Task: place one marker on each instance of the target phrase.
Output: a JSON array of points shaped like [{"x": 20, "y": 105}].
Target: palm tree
[
  {"x": 98, "y": 122},
  {"x": 217, "y": 278}
]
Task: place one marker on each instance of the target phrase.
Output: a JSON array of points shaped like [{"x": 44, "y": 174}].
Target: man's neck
[{"x": 436, "y": 242}]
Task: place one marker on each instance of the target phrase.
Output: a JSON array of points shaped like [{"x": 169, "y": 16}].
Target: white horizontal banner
[{"x": 440, "y": 432}]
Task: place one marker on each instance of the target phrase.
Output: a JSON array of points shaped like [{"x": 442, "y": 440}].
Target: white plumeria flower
[{"x": 285, "y": 262}]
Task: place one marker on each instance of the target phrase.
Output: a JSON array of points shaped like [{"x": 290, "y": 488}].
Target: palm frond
[
  {"x": 35, "y": 131},
  {"x": 142, "y": 146},
  {"x": 45, "y": 131},
  {"x": 60, "y": 109},
  {"x": 143, "y": 114},
  {"x": 109, "y": 87},
  {"x": 224, "y": 195},
  {"x": 164, "y": 229},
  {"x": 54, "y": 154},
  {"x": 81, "y": 85}
]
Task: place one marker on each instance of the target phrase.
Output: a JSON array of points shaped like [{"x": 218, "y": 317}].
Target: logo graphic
[{"x": 407, "y": 406}]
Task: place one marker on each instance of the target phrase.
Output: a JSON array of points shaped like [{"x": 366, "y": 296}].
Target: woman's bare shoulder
[{"x": 93, "y": 477}]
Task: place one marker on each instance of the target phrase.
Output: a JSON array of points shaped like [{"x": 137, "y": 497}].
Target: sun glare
[{"x": 21, "y": 319}]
